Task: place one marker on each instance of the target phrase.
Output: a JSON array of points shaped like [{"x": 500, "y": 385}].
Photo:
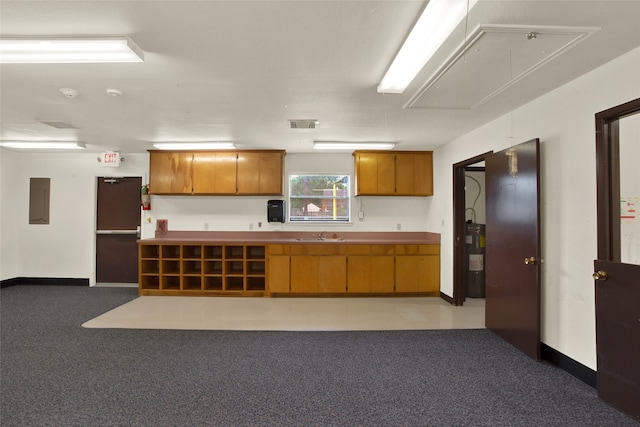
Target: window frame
[{"x": 323, "y": 220}]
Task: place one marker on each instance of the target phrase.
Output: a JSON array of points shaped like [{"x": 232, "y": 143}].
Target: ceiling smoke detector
[
  {"x": 303, "y": 123},
  {"x": 69, "y": 93},
  {"x": 114, "y": 92}
]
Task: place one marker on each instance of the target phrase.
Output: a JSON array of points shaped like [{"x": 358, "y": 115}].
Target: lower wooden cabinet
[
  {"x": 417, "y": 268},
  {"x": 353, "y": 269},
  {"x": 370, "y": 274},
  {"x": 259, "y": 270}
]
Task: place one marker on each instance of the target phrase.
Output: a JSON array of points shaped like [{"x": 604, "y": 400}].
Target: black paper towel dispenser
[{"x": 275, "y": 211}]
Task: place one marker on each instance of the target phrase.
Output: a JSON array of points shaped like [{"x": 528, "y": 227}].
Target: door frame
[
  {"x": 94, "y": 236},
  {"x": 459, "y": 206},
  {"x": 608, "y": 188}
]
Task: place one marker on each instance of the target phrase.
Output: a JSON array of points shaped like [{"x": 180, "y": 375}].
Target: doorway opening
[{"x": 468, "y": 229}]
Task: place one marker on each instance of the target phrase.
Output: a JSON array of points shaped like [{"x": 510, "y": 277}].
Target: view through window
[{"x": 319, "y": 198}]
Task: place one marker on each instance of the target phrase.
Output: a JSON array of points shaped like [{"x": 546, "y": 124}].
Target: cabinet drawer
[{"x": 320, "y": 249}]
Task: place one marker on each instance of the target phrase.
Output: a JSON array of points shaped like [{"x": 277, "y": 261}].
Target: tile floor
[{"x": 292, "y": 314}]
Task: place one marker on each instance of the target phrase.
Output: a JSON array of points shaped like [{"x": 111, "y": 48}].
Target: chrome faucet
[{"x": 321, "y": 235}]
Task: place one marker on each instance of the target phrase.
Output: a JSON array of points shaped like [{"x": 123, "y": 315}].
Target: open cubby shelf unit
[{"x": 180, "y": 268}]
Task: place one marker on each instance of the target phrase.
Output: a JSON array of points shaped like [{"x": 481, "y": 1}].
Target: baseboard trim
[
  {"x": 47, "y": 281},
  {"x": 569, "y": 365},
  {"x": 447, "y": 298}
]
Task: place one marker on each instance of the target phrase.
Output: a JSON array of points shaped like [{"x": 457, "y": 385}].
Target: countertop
[{"x": 295, "y": 237}]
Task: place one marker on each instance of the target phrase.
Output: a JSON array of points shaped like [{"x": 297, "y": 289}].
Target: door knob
[
  {"x": 599, "y": 275},
  {"x": 530, "y": 261}
]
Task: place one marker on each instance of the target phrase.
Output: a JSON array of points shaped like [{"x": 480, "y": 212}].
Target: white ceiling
[{"x": 238, "y": 70}]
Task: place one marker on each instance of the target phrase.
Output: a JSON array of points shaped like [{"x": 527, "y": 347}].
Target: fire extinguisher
[{"x": 145, "y": 198}]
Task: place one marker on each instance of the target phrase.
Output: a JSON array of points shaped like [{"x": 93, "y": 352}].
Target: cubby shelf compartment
[
  {"x": 191, "y": 267},
  {"x": 191, "y": 283},
  {"x": 171, "y": 282},
  {"x": 170, "y": 252},
  {"x": 234, "y": 252},
  {"x": 199, "y": 269},
  {"x": 150, "y": 266},
  {"x": 233, "y": 283},
  {"x": 213, "y": 267},
  {"x": 149, "y": 282},
  {"x": 192, "y": 252},
  {"x": 213, "y": 252}
]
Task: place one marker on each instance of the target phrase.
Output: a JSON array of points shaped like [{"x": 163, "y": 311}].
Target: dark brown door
[
  {"x": 618, "y": 335},
  {"x": 617, "y": 269},
  {"x": 117, "y": 230},
  {"x": 512, "y": 283}
]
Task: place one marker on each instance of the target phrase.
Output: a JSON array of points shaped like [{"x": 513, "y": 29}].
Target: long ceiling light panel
[
  {"x": 40, "y": 145},
  {"x": 437, "y": 22},
  {"x": 28, "y": 50},
  {"x": 194, "y": 145},
  {"x": 334, "y": 145}
]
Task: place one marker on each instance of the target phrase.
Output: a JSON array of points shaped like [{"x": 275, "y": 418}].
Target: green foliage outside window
[{"x": 319, "y": 198}]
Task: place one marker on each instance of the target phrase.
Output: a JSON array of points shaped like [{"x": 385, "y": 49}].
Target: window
[{"x": 319, "y": 198}]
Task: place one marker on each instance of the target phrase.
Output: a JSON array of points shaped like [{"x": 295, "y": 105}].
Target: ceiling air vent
[
  {"x": 60, "y": 125},
  {"x": 303, "y": 124}
]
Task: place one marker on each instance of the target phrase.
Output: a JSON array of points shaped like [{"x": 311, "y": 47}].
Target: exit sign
[{"x": 111, "y": 159}]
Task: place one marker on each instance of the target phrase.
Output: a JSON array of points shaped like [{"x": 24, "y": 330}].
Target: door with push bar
[{"x": 117, "y": 229}]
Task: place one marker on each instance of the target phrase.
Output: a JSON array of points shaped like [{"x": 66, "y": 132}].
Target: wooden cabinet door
[
  {"x": 382, "y": 274},
  {"x": 260, "y": 173},
  {"x": 429, "y": 274},
  {"x": 375, "y": 173},
  {"x": 271, "y": 173},
  {"x": 214, "y": 173},
  {"x": 278, "y": 278},
  {"x": 418, "y": 273},
  {"x": 423, "y": 174},
  {"x": 359, "y": 274},
  {"x": 332, "y": 274},
  {"x": 408, "y": 273},
  {"x": 370, "y": 274},
  {"x": 170, "y": 173},
  {"x": 304, "y": 273},
  {"x": 414, "y": 174}
]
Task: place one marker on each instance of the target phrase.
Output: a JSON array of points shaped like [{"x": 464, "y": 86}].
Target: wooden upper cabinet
[
  {"x": 260, "y": 172},
  {"x": 402, "y": 173},
  {"x": 217, "y": 172},
  {"x": 214, "y": 172},
  {"x": 170, "y": 172},
  {"x": 414, "y": 174}
]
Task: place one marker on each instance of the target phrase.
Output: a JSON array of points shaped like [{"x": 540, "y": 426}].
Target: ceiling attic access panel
[{"x": 492, "y": 59}]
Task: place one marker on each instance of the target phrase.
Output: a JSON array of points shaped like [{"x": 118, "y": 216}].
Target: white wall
[
  {"x": 9, "y": 252},
  {"x": 241, "y": 213},
  {"x": 65, "y": 248},
  {"x": 564, "y": 121}
]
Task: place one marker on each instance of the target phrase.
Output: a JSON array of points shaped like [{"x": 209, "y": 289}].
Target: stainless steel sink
[{"x": 317, "y": 239}]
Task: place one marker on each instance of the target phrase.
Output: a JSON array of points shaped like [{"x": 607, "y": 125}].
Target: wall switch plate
[{"x": 361, "y": 215}]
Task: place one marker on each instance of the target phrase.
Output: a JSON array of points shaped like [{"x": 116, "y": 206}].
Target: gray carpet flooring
[{"x": 56, "y": 373}]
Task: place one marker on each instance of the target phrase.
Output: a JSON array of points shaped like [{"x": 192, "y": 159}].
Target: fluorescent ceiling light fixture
[
  {"x": 28, "y": 50},
  {"x": 329, "y": 145},
  {"x": 194, "y": 145},
  {"x": 438, "y": 20},
  {"x": 39, "y": 145}
]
